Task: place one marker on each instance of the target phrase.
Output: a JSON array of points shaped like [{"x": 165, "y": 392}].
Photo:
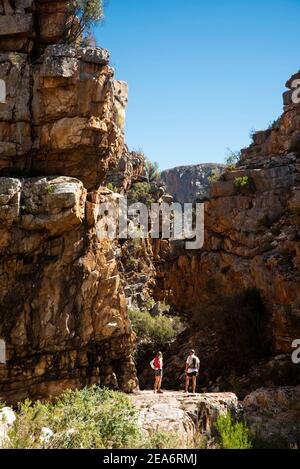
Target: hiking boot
[{"x": 160, "y": 392}]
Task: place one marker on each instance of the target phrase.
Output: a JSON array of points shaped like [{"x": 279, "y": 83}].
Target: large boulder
[
  {"x": 274, "y": 415},
  {"x": 182, "y": 415}
]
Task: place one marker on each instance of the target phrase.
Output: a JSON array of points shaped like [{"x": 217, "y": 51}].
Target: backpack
[{"x": 195, "y": 363}]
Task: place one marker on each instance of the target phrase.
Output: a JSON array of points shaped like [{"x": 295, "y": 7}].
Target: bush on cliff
[
  {"x": 83, "y": 15},
  {"x": 232, "y": 435},
  {"x": 232, "y": 159},
  {"x": 152, "y": 171},
  {"x": 140, "y": 193},
  {"x": 89, "y": 418},
  {"x": 153, "y": 332}
]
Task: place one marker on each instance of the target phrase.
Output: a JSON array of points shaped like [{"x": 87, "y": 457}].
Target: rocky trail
[{"x": 271, "y": 414}]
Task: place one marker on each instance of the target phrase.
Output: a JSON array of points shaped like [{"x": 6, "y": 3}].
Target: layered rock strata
[{"x": 63, "y": 313}]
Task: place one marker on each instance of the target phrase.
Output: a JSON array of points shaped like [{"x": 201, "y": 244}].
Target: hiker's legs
[
  {"x": 187, "y": 383},
  {"x": 194, "y": 384},
  {"x": 156, "y": 382},
  {"x": 159, "y": 383}
]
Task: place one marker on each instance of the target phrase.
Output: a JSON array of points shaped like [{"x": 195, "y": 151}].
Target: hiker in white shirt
[{"x": 192, "y": 367}]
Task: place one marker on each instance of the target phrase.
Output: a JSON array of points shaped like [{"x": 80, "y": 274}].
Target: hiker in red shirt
[{"x": 157, "y": 365}]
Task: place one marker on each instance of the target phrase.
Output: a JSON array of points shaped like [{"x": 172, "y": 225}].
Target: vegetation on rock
[
  {"x": 140, "y": 193},
  {"x": 91, "y": 418},
  {"x": 213, "y": 177},
  {"x": 232, "y": 435},
  {"x": 83, "y": 15},
  {"x": 242, "y": 181},
  {"x": 154, "y": 332},
  {"x": 232, "y": 159}
]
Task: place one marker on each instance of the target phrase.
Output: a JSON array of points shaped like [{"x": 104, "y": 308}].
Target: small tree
[
  {"x": 152, "y": 171},
  {"x": 213, "y": 177},
  {"x": 83, "y": 15},
  {"x": 233, "y": 435},
  {"x": 232, "y": 158}
]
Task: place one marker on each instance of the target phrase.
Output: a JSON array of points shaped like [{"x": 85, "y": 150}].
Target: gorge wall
[
  {"x": 251, "y": 247},
  {"x": 185, "y": 183},
  {"x": 63, "y": 313}
]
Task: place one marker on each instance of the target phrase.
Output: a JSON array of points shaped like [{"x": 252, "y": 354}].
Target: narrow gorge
[{"x": 66, "y": 293}]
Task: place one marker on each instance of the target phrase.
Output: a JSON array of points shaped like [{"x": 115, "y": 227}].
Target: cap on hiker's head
[{"x": 192, "y": 351}]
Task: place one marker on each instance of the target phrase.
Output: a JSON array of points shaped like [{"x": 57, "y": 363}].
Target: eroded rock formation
[
  {"x": 186, "y": 183},
  {"x": 184, "y": 416},
  {"x": 274, "y": 415},
  {"x": 63, "y": 313}
]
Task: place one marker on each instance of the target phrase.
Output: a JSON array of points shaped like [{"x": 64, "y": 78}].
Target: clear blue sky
[{"x": 201, "y": 73}]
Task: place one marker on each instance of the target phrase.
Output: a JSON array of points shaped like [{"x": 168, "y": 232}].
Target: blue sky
[{"x": 202, "y": 74}]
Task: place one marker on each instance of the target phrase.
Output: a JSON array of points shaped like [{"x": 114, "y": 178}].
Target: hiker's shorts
[
  {"x": 194, "y": 373},
  {"x": 158, "y": 372}
]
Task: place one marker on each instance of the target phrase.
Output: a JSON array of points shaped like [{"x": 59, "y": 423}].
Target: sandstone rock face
[
  {"x": 130, "y": 169},
  {"x": 185, "y": 183},
  {"x": 251, "y": 244},
  {"x": 68, "y": 126},
  {"x": 63, "y": 313},
  {"x": 251, "y": 234},
  {"x": 16, "y": 25},
  {"x": 76, "y": 133},
  {"x": 183, "y": 415},
  {"x": 273, "y": 415},
  {"x": 62, "y": 112},
  {"x": 62, "y": 310}
]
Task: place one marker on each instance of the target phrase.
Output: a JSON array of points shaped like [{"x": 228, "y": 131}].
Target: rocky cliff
[
  {"x": 186, "y": 183},
  {"x": 246, "y": 277},
  {"x": 63, "y": 314}
]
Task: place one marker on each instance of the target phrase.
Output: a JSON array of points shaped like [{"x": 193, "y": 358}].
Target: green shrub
[
  {"x": 153, "y": 333},
  {"x": 242, "y": 182},
  {"x": 152, "y": 171},
  {"x": 89, "y": 418},
  {"x": 213, "y": 177},
  {"x": 50, "y": 189},
  {"x": 111, "y": 187},
  {"x": 140, "y": 192},
  {"x": 165, "y": 440},
  {"x": 232, "y": 435}
]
